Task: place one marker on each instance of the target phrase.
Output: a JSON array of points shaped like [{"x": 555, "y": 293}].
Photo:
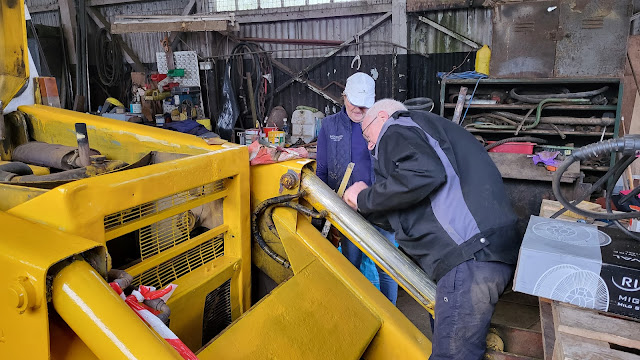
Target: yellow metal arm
[{"x": 102, "y": 320}]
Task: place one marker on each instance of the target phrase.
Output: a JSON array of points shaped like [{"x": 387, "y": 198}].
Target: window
[{"x": 234, "y": 5}]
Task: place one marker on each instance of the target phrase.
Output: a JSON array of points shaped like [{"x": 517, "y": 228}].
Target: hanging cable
[{"x": 109, "y": 59}]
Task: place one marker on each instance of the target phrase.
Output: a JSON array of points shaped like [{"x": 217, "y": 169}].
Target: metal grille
[
  {"x": 217, "y": 312},
  {"x": 123, "y": 217},
  {"x": 165, "y": 234},
  {"x": 163, "y": 274}
]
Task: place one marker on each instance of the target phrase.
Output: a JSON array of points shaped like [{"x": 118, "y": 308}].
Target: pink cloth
[{"x": 261, "y": 154}]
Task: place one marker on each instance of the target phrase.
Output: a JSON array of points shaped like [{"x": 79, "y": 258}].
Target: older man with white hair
[{"x": 444, "y": 198}]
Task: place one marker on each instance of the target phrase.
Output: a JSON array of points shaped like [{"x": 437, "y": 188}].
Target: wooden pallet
[{"x": 573, "y": 333}]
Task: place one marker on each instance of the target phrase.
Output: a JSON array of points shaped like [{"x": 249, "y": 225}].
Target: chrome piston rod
[{"x": 406, "y": 273}]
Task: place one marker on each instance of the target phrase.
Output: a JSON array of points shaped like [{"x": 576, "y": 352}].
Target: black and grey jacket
[{"x": 441, "y": 193}]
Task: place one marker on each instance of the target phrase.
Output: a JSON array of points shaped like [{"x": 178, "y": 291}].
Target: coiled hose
[
  {"x": 627, "y": 146},
  {"x": 268, "y": 206}
]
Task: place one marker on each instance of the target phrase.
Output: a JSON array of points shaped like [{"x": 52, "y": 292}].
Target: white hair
[{"x": 389, "y": 106}]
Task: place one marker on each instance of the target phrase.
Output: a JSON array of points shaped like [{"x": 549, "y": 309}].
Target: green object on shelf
[{"x": 176, "y": 72}]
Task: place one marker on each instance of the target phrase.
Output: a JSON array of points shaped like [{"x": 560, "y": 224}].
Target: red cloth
[{"x": 261, "y": 154}]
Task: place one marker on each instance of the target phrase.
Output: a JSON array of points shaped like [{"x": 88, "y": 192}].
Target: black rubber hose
[
  {"x": 628, "y": 145},
  {"x": 17, "y": 168},
  {"x": 536, "y": 98},
  {"x": 610, "y": 188},
  {"x": 595, "y": 186},
  {"x": 515, "y": 139},
  {"x": 255, "y": 226}
]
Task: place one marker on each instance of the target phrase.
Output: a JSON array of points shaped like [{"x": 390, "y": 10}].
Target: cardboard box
[{"x": 580, "y": 264}]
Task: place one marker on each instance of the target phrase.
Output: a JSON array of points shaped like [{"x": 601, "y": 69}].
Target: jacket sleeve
[
  {"x": 321, "y": 156},
  {"x": 414, "y": 169}
]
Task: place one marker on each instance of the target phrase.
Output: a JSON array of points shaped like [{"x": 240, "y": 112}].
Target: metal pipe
[
  {"x": 293, "y": 41},
  {"x": 101, "y": 319},
  {"x": 404, "y": 271},
  {"x": 84, "y": 151}
]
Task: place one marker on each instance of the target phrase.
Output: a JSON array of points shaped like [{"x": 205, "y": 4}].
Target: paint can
[
  {"x": 160, "y": 120},
  {"x": 277, "y": 137},
  {"x": 136, "y": 108},
  {"x": 251, "y": 135}
]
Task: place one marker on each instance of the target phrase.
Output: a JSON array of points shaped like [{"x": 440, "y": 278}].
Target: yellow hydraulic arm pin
[{"x": 341, "y": 189}]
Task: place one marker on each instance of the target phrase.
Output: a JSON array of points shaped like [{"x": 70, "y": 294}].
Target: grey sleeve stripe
[{"x": 447, "y": 202}]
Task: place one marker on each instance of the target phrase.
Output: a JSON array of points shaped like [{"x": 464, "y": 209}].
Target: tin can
[
  {"x": 251, "y": 135},
  {"x": 160, "y": 120},
  {"x": 136, "y": 108},
  {"x": 276, "y": 137}
]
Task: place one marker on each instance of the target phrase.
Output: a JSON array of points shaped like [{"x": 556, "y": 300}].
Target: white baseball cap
[{"x": 361, "y": 90}]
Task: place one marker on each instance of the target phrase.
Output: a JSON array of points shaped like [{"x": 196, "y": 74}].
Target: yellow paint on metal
[
  {"x": 311, "y": 316},
  {"x": 37, "y": 170},
  {"x": 189, "y": 298},
  {"x": 27, "y": 251},
  {"x": 398, "y": 338},
  {"x": 14, "y": 61},
  {"x": 113, "y": 138},
  {"x": 13, "y": 195},
  {"x": 299, "y": 256},
  {"x": 101, "y": 319}
]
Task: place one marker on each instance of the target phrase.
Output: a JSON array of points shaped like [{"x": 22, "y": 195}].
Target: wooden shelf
[
  {"x": 533, "y": 106},
  {"x": 540, "y": 132}
]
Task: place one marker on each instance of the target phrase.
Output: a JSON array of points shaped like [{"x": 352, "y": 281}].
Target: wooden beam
[
  {"x": 103, "y": 23},
  {"x": 311, "y": 12},
  {"x": 192, "y": 23},
  {"x": 310, "y": 84},
  {"x": 68, "y": 23},
  {"x": 332, "y": 53},
  {"x": 449, "y": 32},
  {"x": 188, "y": 10},
  {"x": 43, "y": 8}
]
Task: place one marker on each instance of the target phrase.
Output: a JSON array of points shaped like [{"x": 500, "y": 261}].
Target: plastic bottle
[
  {"x": 483, "y": 57},
  {"x": 285, "y": 128}
]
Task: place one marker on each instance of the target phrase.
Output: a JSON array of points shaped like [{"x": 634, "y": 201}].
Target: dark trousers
[{"x": 465, "y": 299}]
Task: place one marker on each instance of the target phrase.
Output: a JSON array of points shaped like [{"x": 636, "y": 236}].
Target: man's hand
[{"x": 351, "y": 194}]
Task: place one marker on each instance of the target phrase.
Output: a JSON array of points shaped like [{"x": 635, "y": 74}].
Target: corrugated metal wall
[{"x": 473, "y": 23}]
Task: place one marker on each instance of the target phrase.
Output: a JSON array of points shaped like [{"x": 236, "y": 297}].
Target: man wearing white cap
[{"x": 340, "y": 142}]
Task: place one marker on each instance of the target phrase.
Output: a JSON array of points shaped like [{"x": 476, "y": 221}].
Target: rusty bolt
[{"x": 289, "y": 180}]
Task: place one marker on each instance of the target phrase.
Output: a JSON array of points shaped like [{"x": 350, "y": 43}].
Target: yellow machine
[{"x": 135, "y": 208}]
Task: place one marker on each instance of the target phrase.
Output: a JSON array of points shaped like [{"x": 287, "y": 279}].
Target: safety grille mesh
[
  {"x": 163, "y": 274},
  {"x": 165, "y": 234},
  {"x": 217, "y": 312},
  {"x": 115, "y": 220}
]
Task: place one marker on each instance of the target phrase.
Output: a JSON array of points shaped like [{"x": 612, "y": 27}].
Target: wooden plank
[
  {"x": 311, "y": 12},
  {"x": 519, "y": 166},
  {"x": 147, "y": 24},
  {"x": 188, "y": 10},
  {"x": 590, "y": 324},
  {"x": 550, "y": 207},
  {"x": 68, "y": 24},
  {"x": 571, "y": 347},
  {"x": 548, "y": 331},
  {"x": 449, "y": 32}
]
